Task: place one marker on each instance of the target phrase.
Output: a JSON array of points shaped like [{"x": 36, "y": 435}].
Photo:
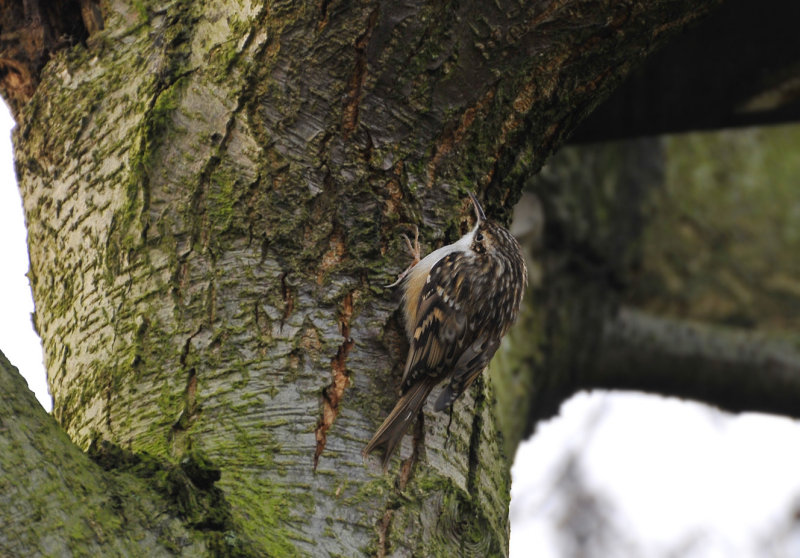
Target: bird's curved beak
[{"x": 479, "y": 214}]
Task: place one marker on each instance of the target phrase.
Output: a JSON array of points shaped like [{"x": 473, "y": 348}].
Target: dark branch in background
[
  {"x": 738, "y": 68},
  {"x": 734, "y": 369}
]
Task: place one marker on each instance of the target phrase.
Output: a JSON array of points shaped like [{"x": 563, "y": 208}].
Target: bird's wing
[
  {"x": 444, "y": 327},
  {"x": 468, "y": 367}
]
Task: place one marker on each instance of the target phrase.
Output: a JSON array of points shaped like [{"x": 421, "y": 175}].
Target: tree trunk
[{"x": 214, "y": 194}]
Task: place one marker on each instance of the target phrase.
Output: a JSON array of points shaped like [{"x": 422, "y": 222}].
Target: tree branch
[
  {"x": 734, "y": 369},
  {"x": 129, "y": 505}
]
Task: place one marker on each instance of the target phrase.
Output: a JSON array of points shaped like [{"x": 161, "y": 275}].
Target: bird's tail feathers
[{"x": 390, "y": 433}]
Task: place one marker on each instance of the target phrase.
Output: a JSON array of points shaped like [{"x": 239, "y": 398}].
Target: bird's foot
[{"x": 414, "y": 249}]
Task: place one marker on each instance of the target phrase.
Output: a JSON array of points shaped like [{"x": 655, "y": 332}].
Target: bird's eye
[{"x": 479, "y": 237}]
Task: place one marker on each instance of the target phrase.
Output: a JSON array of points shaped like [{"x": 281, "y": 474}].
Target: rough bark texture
[
  {"x": 214, "y": 193},
  {"x": 57, "y": 502}
]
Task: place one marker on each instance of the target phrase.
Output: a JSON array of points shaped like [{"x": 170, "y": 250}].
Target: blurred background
[
  {"x": 635, "y": 475},
  {"x": 698, "y": 218}
]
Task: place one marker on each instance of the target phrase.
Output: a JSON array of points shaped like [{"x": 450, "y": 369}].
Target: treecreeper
[{"x": 458, "y": 303}]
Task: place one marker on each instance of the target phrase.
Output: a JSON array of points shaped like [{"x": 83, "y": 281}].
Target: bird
[{"x": 458, "y": 302}]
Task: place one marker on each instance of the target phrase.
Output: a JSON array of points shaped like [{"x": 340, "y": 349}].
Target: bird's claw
[{"x": 414, "y": 249}]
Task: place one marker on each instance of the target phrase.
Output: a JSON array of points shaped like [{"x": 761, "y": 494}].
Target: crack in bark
[
  {"x": 383, "y": 532},
  {"x": 332, "y": 394},
  {"x": 149, "y": 140},
  {"x": 211, "y": 302},
  {"x": 187, "y": 346},
  {"x": 332, "y": 256},
  {"x": 198, "y": 197},
  {"x": 190, "y": 406},
  {"x": 190, "y": 411},
  {"x": 357, "y": 78},
  {"x": 323, "y": 15},
  {"x": 191, "y": 383},
  {"x": 288, "y": 299},
  {"x": 407, "y": 466}
]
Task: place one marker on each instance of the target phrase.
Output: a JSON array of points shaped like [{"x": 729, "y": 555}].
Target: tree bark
[
  {"x": 55, "y": 501},
  {"x": 214, "y": 192}
]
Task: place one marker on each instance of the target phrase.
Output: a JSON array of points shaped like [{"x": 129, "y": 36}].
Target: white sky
[
  {"x": 671, "y": 468},
  {"x": 18, "y": 341}
]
